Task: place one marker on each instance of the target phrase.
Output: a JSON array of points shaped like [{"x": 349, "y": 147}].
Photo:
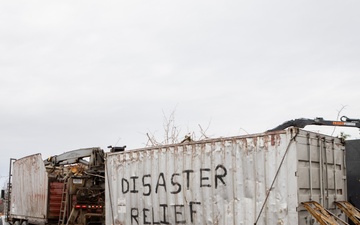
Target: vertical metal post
[
  {"x": 326, "y": 180},
  {"x": 334, "y": 167},
  {"x": 321, "y": 198},
  {"x": 344, "y": 165},
  {"x": 310, "y": 162}
]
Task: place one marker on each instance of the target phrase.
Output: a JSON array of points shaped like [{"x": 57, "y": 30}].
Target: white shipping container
[
  {"x": 29, "y": 191},
  {"x": 261, "y": 178}
]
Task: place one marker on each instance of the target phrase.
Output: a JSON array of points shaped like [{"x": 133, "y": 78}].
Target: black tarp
[{"x": 353, "y": 171}]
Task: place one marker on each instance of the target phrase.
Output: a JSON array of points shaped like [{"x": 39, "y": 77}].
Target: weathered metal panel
[
  {"x": 29, "y": 193},
  {"x": 353, "y": 171},
  {"x": 225, "y": 180},
  {"x": 55, "y": 198},
  {"x": 321, "y": 172}
]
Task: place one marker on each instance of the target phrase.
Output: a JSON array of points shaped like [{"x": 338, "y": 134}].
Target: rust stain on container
[{"x": 272, "y": 140}]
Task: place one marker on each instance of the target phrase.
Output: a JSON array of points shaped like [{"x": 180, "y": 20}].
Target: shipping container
[{"x": 253, "y": 179}]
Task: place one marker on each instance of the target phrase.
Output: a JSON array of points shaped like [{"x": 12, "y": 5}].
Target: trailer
[
  {"x": 275, "y": 177},
  {"x": 63, "y": 189}
]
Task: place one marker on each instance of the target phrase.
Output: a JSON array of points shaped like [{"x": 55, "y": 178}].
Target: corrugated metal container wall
[
  {"x": 225, "y": 181},
  {"x": 29, "y": 191}
]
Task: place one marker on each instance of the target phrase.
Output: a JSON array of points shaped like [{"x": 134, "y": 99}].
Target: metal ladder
[
  {"x": 9, "y": 190},
  {"x": 351, "y": 211},
  {"x": 322, "y": 215},
  {"x": 64, "y": 203}
]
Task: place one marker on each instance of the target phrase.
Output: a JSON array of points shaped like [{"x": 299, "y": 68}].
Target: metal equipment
[
  {"x": 64, "y": 189},
  {"x": 302, "y": 122}
]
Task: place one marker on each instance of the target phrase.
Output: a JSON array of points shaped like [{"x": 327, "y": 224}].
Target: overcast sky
[{"x": 77, "y": 74}]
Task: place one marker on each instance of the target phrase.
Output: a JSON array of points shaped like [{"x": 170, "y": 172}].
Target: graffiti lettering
[
  {"x": 147, "y": 215},
  {"x": 175, "y": 182}
]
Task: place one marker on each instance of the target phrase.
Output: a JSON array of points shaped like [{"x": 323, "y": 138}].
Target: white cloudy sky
[{"x": 79, "y": 74}]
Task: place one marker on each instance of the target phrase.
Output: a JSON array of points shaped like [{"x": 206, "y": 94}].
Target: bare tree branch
[
  {"x": 172, "y": 132},
  {"x": 243, "y": 130},
  {"x": 149, "y": 139},
  {"x": 203, "y": 132}
]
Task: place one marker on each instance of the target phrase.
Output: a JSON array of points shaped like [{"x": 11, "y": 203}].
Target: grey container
[{"x": 259, "y": 178}]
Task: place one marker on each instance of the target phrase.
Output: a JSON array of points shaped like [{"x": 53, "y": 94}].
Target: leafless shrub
[{"x": 172, "y": 133}]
